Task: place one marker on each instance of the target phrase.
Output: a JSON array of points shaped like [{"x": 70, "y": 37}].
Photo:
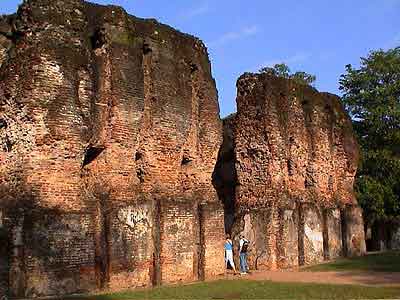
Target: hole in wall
[
  {"x": 224, "y": 177},
  {"x": 186, "y": 160},
  {"x": 330, "y": 183},
  {"x": 140, "y": 174},
  {"x": 146, "y": 48},
  {"x": 138, "y": 156},
  {"x": 7, "y": 144},
  {"x": 98, "y": 39},
  {"x": 7, "y": 95},
  {"x": 290, "y": 167},
  {"x": 193, "y": 67},
  {"x": 91, "y": 154},
  {"x": 3, "y": 124}
]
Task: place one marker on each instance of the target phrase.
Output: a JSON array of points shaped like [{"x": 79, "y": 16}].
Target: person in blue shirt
[{"x": 229, "y": 253}]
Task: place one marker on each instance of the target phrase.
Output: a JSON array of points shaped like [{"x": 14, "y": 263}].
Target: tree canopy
[
  {"x": 371, "y": 95},
  {"x": 282, "y": 70}
]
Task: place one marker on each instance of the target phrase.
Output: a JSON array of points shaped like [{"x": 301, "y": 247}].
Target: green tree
[
  {"x": 303, "y": 78},
  {"x": 371, "y": 95},
  {"x": 279, "y": 70},
  {"x": 282, "y": 70}
]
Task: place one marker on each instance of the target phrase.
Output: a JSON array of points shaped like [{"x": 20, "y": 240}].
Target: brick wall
[
  {"x": 334, "y": 233},
  {"x": 179, "y": 241},
  {"x": 295, "y": 157},
  {"x": 59, "y": 256},
  {"x": 110, "y": 132},
  {"x": 131, "y": 248},
  {"x": 105, "y": 115},
  {"x": 288, "y": 236},
  {"x": 312, "y": 245},
  {"x": 212, "y": 240},
  {"x": 354, "y": 231}
]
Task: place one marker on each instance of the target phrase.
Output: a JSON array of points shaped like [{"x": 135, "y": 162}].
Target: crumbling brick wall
[
  {"x": 108, "y": 122},
  {"x": 110, "y": 131},
  {"x": 295, "y": 157}
]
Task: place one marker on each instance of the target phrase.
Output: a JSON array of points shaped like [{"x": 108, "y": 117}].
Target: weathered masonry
[
  {"x": 110, "y": 131},
  {"x": 285, "y": 174},
  {"x": 117, "y": 172}
]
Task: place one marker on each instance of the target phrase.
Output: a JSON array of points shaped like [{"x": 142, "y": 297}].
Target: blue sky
[{"x": 319, "y": 37}]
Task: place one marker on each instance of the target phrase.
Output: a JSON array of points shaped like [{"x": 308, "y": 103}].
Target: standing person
[
  {"x": 229, "y": 253},
  {"x": 243, "y": 247}
]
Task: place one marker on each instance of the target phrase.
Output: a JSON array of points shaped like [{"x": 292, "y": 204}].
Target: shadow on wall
[
  {"x": 42, "y": 251},
  {"x": 50, "y": 252},
  {"x": 224, "y": 177}
]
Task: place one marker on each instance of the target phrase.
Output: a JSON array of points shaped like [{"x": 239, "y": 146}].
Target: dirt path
[{"x": 358, "y": 278}]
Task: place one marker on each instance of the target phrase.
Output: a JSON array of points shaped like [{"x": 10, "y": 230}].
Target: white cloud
[
  {"x": 234, "y": 35},
  {"x": 196, "y": 11}
]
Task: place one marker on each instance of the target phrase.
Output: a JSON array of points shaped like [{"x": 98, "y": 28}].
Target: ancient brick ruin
[
  {"x": 285, "y": 174},
  {"x": 117, "y": 172}
]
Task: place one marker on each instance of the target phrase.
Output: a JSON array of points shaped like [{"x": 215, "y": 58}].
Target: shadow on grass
[
  {"x": 247, "y": 289},
  {"x": 376, "y": 262}
]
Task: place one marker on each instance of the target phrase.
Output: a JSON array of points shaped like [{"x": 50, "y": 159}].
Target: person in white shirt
[{"x": 243, "y": 247}]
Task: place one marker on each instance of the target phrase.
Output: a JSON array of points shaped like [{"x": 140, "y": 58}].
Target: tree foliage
[
  {"x": 282, "y": 70},
  {"x": 371, "y": 95}
]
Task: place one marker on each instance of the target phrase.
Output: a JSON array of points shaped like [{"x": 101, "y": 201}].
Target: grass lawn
[
  {"x": 246, "y": 289},
  {"x": 379, "y": 262}
]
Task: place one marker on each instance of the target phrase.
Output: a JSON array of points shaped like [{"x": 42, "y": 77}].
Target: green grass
[
  {"x": 246, "y": 289},
  {"x": 379, "y": 262}
]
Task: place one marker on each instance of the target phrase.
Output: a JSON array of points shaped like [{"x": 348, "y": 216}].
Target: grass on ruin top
[
  {"x": 247, "y": 289},
  {"x": 375, "y": 262}
]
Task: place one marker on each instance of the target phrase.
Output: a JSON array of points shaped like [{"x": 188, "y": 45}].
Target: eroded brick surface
[
  {"x": 354, "y": 231},
  {"x": 109, "y": 130},
  {"x": 334, "y": 234},
  {"x": 294, "y": 157},
  {"x": 212, "y": 229}
]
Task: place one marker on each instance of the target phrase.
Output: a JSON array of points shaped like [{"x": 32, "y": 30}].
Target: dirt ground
[{"x": 349, "y": 277}]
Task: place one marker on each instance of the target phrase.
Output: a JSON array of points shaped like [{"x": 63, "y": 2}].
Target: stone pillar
[
  {"x": 395, "y": 238},
  {"x": 131, "y": 246},
  {"x": 213, "y": 238},
  {"x": 333, "y": 229},
  {"x": 287, "y": 239},
  {"x": 178, "y": 241},
  {"x": 250, "y": 226},
  {"x": 354, "y": 231},
  {"x": 311, "y": 249},
  {"x": 261, "y": 227}
]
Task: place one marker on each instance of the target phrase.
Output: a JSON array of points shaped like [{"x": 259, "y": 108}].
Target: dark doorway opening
[
  {"x": 343, "y": 224},
  {"x": 224, "y": 176},
  {"x": 91, "y": 154},
  {"x": 4, "y": 261}
]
